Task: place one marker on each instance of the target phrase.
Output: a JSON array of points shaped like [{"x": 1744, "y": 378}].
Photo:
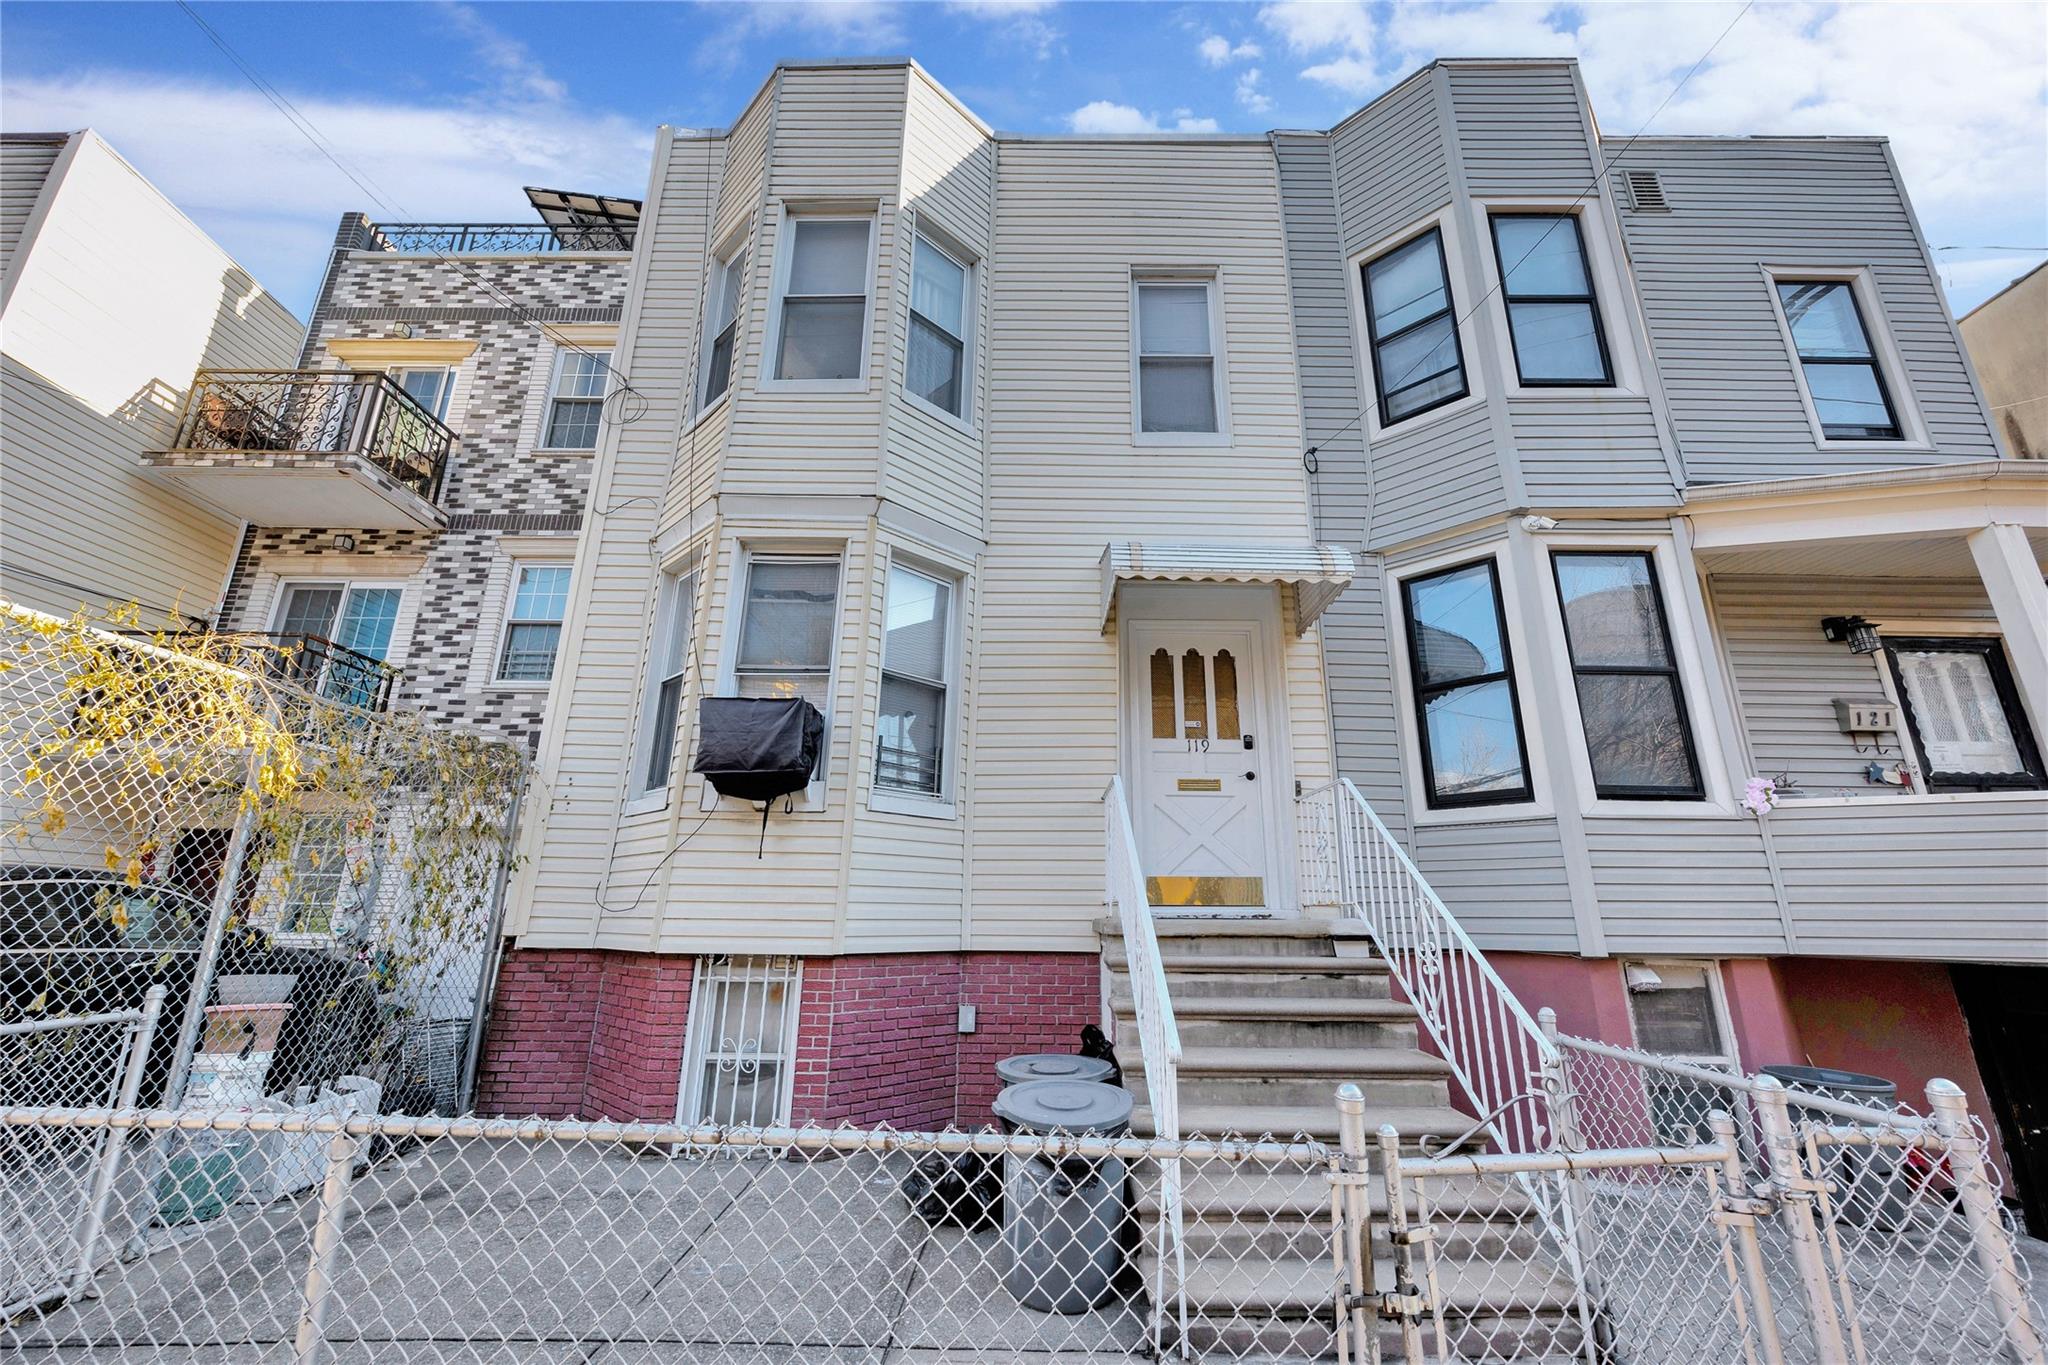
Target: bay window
[
  {"x": 723, "y": 323},
  {"x": 1467, "y": 716},
  {"x": 1553, "y": 318},
  {"x": 910, "y": 727},
  {"x": 1417, "y": 360},
  {"x": 936, "y": 368},
  {"x": 822, "y": 332},
  {"x": 1631, "y": 706},
  {"x": 786, "y": 632},
  {"x": 667, "y": 667}
]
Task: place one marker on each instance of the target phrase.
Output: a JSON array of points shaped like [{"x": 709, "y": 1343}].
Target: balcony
[{"x": 309, "y": 448}]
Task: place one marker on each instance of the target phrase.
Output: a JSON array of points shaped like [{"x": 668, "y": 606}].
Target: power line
[
  {"x": 1605, "y": 170},
  {"x": 308, "y": 130}
]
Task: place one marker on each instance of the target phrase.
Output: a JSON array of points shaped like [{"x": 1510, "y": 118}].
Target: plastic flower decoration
[{"x": 1760, "y": 796}]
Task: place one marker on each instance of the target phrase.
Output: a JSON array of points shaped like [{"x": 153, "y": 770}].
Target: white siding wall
[{"x": 115, "y": 301}]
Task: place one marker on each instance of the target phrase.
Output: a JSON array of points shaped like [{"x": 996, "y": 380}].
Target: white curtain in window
[
  {"x": 830, "y": 256},
  {"x": 1173, "y": 319},
  {"x": 1962, "y": 724}
]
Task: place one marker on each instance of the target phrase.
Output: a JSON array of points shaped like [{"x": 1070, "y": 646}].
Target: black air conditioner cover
[{"x": 758, "y": 748}]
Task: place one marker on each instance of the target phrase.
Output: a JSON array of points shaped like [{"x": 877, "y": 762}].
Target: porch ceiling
[
  {"x": 1316, "y": 573},
  {"x": 1872, "y": 557}
]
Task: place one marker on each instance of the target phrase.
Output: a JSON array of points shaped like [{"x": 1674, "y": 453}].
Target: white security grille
[{"x": 741, "y": 1046}]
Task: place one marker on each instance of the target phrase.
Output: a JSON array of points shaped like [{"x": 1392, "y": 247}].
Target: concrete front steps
[{"x": 1274, "y": 1015}]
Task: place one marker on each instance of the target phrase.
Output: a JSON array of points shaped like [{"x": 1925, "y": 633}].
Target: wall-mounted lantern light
[
  {"x": 1860, "y": 635},
  {"x": 345, "y": 543}
]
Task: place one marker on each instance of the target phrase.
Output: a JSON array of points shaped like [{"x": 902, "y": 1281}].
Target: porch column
[{"x": 2012, "y": 579}]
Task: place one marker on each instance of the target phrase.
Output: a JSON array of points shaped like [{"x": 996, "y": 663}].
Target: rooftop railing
[
  {"x": 317, "y": 412},
  {"x": 458, "y": 239}
]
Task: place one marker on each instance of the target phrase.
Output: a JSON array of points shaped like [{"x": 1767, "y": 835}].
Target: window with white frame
[
  {"x": 917, "y": 654},
  {"x": 1418, "y": 362},
  {"x": 576, "y": 399},
  {"x": 667, "y": 667},
  {"x": 1844, "y": 378},
  {"x": 722, "y": 322},
  {"x": 320, "y": 891},
  {"x": 936, "y": 367},
  {"x": 1676, "y": 1012},
  {"x": 789, "y": 619},
  {"x": 1631, "y": 705},
  {"x": 1553, "y": 316},
  {"x": 1964, "y": 714},
  {"x": 822, "y": 332},
  {"x": 427, "y": 385},
  {"x": 740, "y": 1046},
  {"x": 1177, "y": 371},
  {"x": 533, "y": 622},
  {"x": 1467, "y": 718}
]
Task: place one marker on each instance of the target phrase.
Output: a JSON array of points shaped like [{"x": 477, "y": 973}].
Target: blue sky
[{"x": 448, "y": 109}]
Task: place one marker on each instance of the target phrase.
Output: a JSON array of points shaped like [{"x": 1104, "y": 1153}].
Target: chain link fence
[
  {"x": 285, "y": 1237},
  {"x": 314, "y": 881}
]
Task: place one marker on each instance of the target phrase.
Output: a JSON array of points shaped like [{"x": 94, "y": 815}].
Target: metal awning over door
[{"x": 1315, "y": 574}]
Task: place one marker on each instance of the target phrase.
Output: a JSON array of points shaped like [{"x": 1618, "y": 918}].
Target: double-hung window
[
  {"x": 1630, "y": 703},
  {"x": 910, "y": 728},
  {"x": 1965, "y": 714},
  {"x": 724, "y": 325},
  {"x": 533, "y": 625},
  {"x": 1466, "y": 712},
  {"x": 824, "y": 304},
  {"x": 1417, "y": 361},
  {"x": 1843, "y": 377},
  {"x": 576, "y": 399},
  {"x": 1177, "y": 388},
  {"x": 1676, "y": 1014},
  {"x": 936, "y": 368},
  {"x": 1553, "y": 318},
  {"x": 792, "y": 607},
  {"x": 667, "y": 666}
]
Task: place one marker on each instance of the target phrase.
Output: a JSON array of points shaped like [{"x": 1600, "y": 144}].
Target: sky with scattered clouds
[{"x": 446, "y": 109}]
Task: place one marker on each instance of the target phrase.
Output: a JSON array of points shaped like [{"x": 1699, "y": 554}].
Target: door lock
[{"x": 1251, "y": 777}]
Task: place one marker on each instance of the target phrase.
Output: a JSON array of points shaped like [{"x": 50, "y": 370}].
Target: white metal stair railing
[
  {"x": 1499, "y": 1055},
  {"x": 1509, "y": 1070},
  {"x": 1158, "y": 1035}
]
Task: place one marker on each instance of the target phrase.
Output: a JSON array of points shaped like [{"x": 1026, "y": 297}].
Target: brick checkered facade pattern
[
  {"x": 594, "y": 1034},
  {"x": 498, "y": 483}
]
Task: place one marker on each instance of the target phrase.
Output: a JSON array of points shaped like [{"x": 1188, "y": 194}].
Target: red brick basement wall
[{"x": 589, "y": 1034}]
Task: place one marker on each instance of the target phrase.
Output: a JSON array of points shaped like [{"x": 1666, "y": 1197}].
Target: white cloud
[
  {"x": 1342, "y": 30},
  {"x": 1107, "y": 117},
  {"x": 1249, "y": 95},
  {"x": 840, "y": 27},
  {"x": 1219, "y": 51},
  {"x": 1020, "y": 23},
  {"x": 520, "y": 74}
]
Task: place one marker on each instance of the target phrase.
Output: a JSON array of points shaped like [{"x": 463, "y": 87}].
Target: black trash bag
[
  {"x": 1095, "y": 1043},
  {"x": 956, "y": 1189},
  {"x": 758, "y": 748}
]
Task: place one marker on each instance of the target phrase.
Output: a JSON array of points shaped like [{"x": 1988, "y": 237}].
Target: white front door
[{"x": 1201, "y": 789}]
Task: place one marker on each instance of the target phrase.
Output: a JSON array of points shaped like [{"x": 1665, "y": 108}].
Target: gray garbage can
[
  {"x": 1875, "y": 1182},
  {"x": 1062, "y": 1221},
  {"x": 1053, "y": 1066}
]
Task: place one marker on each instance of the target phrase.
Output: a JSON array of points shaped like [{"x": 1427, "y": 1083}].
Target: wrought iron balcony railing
[
  {"x": 326, "y": 669},
  {"x": 458, "y": 239},
  {"x": 317, "y": 412}
]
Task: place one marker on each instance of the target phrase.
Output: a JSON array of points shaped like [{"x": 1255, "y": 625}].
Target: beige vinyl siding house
[{"x": 113, "y": 299}]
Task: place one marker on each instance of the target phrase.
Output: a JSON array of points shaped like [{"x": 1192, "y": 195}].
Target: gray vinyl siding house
[{"x": 1701, "y": 453}]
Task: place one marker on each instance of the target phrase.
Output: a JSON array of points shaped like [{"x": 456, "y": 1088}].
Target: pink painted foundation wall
[{"x": 1899, "y": 1020}]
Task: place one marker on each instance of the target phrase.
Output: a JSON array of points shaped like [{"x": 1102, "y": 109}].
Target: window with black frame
[
  {"x": 1467, "y": 715},
  {"x": 1965, "y": 714},
  {"x": 1843, "y": 377},
  {"x": 1631, "y": 705},
  {"x": 1417, "y": 361},
  {"x": 725, "y": 322},
  {"x": 1553, "y": 317}
]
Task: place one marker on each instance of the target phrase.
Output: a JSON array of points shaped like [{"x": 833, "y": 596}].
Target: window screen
[{"x": 1176, "y": 359}]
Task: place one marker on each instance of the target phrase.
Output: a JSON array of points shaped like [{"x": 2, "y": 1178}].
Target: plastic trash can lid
[
  {"x": 1829, "y": 1078},
  {"x": 1052, "y": 1066},
  {"x": 1075, "y": 1107}
]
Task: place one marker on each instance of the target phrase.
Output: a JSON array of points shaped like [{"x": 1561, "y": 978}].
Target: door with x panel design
[{"x": 1200, "y": 792}]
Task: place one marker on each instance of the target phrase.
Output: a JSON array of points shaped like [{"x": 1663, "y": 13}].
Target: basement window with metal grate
[
  {"x": 741, "y": 1040},
  {"x": 1645, "y": 192}
]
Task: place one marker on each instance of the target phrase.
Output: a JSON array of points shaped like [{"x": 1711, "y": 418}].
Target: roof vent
[{"x": 1646, "y": 192}]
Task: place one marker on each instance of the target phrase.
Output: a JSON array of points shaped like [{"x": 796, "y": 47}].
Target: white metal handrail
[
  {"x": 1349, "y": 860},
  {"x": 1158, "y": 1034}
]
